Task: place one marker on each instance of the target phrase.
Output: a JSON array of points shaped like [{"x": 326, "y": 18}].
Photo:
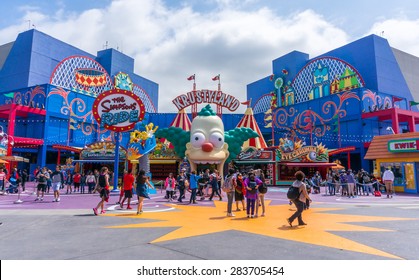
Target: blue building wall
[{"x": 372, "y": 60}]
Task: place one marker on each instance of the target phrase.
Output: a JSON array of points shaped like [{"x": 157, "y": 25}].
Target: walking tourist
[
  {"x": 142, "y": 190},
  {"x": 57, "y": 180},
  {"x": 103, "y": 189},
  {"x": 388, "y": 178},
  {"x": 300, "y": 201},
  {"x": 229, "y": 187},
  {"x": 128, "y": 186}
]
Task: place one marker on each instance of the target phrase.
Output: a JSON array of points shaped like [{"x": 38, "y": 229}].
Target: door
[{"x": 410, "y": 176}]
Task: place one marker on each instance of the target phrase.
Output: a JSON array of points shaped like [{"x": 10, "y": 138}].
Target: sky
[{"x": 238, "y": 39}]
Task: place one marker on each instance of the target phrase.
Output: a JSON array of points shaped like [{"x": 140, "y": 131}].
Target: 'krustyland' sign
[
  {"x": 206, "y": 96},
  {"x": 118, "y": 110}
]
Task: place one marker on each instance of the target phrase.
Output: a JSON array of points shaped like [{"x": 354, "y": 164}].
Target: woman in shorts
[{"x": 103, "y": 183}]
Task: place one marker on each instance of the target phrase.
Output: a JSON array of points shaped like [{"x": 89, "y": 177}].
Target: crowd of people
[
  {"x": 247, "y": 190},
  {"x": 347, "y": 183}
]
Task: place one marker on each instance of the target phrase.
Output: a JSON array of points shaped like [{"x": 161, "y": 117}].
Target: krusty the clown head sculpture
[{"x": 207, "y": 142}]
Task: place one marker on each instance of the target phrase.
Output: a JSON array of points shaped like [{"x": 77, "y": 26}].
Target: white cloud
[
  {"x": 169, "y": 44},
  {"x": 402, "y": 33}
]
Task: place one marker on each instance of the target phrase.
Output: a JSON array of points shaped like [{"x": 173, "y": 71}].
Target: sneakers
[
  {"x": 42, "y": 199},
  {"x": 37, "y": 199},
  {"x": 95, "y": 211},
  {"x": 230, "y": 215},
  {"x": 302, "y": 224},
  {"x": 58, "y": 200},
  {"x": 121, "y": 205},
  {"x": 102, "y": 212},
  {"x": 263, "y": 215},
  {"x": 289, "y": 222},
  {"x": 129, "y": 207}
]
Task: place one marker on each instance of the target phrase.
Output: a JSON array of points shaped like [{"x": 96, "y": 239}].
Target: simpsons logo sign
[{"x": 118, "y": 110}]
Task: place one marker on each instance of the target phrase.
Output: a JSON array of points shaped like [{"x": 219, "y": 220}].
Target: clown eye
[
  {"x": 197, "y": 139},
  {"x": 217, "y": 139}
]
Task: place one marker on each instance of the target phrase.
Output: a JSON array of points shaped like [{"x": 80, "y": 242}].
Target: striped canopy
[
  {"x": 182, "y": 120},
  {"x": 249, "y": 121}
]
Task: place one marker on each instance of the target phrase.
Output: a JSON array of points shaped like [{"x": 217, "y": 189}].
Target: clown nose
[{"x": 207, "y": 147}]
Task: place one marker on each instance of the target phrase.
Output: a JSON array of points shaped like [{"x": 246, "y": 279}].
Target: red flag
[
  {"x": 395, "y": 99},
  {"x": 246, "y": 103},
  {"x": 216, "y": 78},
  {"x": 192, "y": 77}
]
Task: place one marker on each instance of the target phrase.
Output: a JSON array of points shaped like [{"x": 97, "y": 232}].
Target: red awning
[
  {"x": 308, "y": 164},
  {"x": 27, "y": 142},
  {"x": 67, "y": 148},
  {"x": 341, "y": 150}
]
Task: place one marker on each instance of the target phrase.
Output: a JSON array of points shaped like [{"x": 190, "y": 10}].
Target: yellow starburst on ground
[{"x": 192, "y": 221}]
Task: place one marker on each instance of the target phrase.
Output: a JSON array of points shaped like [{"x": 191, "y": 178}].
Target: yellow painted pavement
[{"x": 193, "y": 220}]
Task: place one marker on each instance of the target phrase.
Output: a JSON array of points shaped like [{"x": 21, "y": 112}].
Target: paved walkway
[{"x": 339, "y": 228}]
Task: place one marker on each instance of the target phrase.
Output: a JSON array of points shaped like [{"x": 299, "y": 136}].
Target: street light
[{"x": 389, "y": 128}]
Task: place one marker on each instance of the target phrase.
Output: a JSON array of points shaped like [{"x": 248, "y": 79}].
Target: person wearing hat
[{"x": 388, "y": 178}]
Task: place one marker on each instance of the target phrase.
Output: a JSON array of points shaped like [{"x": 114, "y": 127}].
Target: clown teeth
[{"x": 208, "y": 162}]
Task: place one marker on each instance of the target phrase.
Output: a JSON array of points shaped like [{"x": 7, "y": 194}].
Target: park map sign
[{"x": 118, "y": 110}]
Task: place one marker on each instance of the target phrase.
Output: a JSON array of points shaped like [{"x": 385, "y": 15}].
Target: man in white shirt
[{"x": 388, "y": 178}]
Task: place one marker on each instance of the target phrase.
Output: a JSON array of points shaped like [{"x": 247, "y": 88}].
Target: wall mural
[
  {"x": 33, "y": 97},
  {"x": 374, "y": 102},
  {"x": 308, "y": 121}
]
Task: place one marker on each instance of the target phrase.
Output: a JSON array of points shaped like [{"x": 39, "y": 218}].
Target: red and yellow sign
[{"x": 118, "y": 110}]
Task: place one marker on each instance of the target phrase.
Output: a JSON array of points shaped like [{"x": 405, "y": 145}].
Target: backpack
[
  {"x": 263, "y": 188},
  {"x": 228, "y": 184},
  {"x": 252, "y": 185},
  {"x": 293, "y": 193}
]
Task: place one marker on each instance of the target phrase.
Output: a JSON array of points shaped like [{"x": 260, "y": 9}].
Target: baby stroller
[{"x": 13, "y": 186}]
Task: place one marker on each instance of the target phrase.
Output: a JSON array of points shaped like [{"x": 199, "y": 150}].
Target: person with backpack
[
  {"x": 170, "y": 185},
  {"x": 262, "y": 190},
  {"x": 103, "y": 184},
  {"x": 299, "y": 200},
  {"x": 229, "y": 185},
  {"x": 253, "y": 184},
  {"x": 42, "y": 178},
  {"x": 240, "y": 192}
]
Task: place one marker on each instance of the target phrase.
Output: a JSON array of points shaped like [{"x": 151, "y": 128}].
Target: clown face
[{"x": 206, "y": 144}]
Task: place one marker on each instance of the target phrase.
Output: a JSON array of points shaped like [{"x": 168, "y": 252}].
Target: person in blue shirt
[{"x": 193, "y": 185}]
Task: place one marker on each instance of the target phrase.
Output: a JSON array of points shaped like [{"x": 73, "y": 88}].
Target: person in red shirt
[
  {"x": 128, "y": 185},
  {"x": 77, "y": 181}
]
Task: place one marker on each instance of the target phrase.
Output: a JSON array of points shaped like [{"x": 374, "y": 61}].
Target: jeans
[
  {"x": 215, "y": 191},
  {"x": 298, "y": 213},
  {"x": 181, "y": 193},
  {"x": 230, "y": 197},
  {"x": 332, "y": 189},
  {"x": 193, "y": 196}
]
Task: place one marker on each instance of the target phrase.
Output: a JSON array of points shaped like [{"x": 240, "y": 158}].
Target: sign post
[{"x": 118, "y": 111}]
